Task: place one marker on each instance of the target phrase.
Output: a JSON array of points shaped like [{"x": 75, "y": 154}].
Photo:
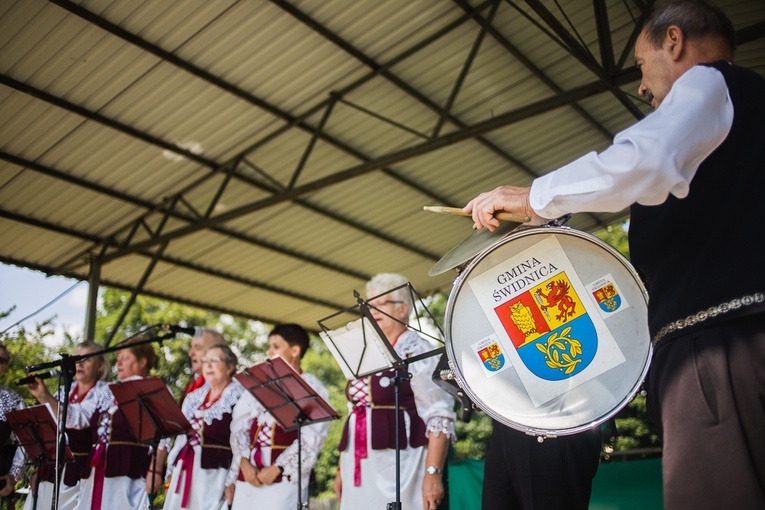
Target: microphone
[
  {"x": 192, "y": 331},
  {"x": 43, "y": 375}
]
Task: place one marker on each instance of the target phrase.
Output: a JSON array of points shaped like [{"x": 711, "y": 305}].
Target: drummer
[
  {"x": 366, "y": 477},
  {"x": 684, "y": 170}
]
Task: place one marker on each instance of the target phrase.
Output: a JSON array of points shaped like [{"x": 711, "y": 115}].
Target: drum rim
[{"x": 459, "y": 281}]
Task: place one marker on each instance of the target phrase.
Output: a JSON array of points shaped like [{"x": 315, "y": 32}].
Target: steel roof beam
[
  {"x": 120, "y": 286},
  {"x": 582, "y": 54},
  {"x": 210, "y": 78},
  {"x": 604, "y": 36},
  {"x": 528, "y": 64},
  {"x": 463, "y": 72},
  {"x": 173, "y": 261},
  {"x": 151, "y": 208},
  {"x": 545, "y": 105}
]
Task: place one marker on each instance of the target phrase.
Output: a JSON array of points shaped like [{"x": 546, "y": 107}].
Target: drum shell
[{"x": 503, "y": 396}]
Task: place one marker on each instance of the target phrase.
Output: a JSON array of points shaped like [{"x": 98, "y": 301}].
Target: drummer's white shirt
[{"x": 649, "y": 160}]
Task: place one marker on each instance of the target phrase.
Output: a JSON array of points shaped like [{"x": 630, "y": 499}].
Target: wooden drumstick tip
[{"x": 456, "y": 211}]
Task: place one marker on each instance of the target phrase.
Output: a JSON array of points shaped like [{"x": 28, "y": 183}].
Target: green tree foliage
[
  {"x": 247, "y": 338},
  {"x": 633, "y": 427},
  {"x": 27, "y": 347}
]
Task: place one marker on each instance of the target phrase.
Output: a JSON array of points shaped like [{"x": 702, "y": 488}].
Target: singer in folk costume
[
  {"x": 11, "y": 458},
  {"x": 366, "y": 477},
  {"x": 266, "y": 454},
  {"x": 88, "y": 383},
  {"x": 199, "y": 463},
  {"x": 123, "y": 471}
]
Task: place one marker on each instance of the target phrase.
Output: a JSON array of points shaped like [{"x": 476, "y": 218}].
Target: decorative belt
[{"x": 714, "y": 311}]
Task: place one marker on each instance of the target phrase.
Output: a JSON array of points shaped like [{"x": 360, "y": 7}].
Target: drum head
[{"x": 547, "y": 331}]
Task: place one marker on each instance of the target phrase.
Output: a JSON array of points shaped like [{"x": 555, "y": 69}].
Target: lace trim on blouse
[
  {"x": 224, "y": 405},
  {"x": 438, "y": 424},
  {"x": 9, "y": 401}
]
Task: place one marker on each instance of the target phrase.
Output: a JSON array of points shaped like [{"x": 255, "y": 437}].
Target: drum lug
[{"x": 540, "y": 438}]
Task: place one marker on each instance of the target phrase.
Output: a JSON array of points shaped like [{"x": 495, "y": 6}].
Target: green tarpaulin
[{"x": 629, "y": 485}]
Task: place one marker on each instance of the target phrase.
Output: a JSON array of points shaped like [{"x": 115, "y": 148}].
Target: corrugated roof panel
[{"x": 316, "y": 247}]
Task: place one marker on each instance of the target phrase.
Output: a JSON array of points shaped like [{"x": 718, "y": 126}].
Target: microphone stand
[{"x": 67, "y": 366}]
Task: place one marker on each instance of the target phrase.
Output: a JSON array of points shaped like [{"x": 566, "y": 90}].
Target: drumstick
[{"x": 456, "y": 211}]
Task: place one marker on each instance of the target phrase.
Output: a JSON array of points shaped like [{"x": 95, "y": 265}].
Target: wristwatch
[{"x": 433, "y": 470}]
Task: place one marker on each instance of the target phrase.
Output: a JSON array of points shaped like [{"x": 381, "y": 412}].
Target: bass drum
[{"x": 547, "y": 331}]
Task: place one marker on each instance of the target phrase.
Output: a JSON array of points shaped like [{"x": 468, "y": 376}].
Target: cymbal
[{"x": 469, "y": 248}]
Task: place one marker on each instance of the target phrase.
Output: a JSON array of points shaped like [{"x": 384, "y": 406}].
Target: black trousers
[
  {"x": 707, "y": 390},
  {"x": 522, "y": 473}
]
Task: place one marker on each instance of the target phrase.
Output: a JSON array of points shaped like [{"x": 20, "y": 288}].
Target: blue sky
[{"x": 31, "y": 290}]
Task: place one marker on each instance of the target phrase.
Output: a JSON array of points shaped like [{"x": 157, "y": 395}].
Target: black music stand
[
  {"x": 151, "y": 412},
  {"x": 36, "y": 431},
  {"x": 361, "y": 349},
  {"x": 289, "y": 399}
]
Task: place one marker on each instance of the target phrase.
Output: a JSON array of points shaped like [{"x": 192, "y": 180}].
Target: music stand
[
  {"x": 151, "y": 412},
  {"x": 289, "y": 399},
  {"x": 361, "y": 349},
  {"x": 36, "y": 431}
]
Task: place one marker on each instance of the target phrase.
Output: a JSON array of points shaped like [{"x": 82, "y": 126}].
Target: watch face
[{"x": 432, "y": 470}]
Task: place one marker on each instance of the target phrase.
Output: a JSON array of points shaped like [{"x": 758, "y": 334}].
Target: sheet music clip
[{"x": 288, "y": 398}]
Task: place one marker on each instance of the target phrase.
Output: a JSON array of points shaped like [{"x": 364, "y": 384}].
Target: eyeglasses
[
  {"x": 4, "y": 361},
  {"x": 214, "y": 361},
  {"x": 389, "y": 302}
]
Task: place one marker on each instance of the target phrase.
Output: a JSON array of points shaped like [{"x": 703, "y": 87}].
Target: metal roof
[{"x": 265, "y": 158}]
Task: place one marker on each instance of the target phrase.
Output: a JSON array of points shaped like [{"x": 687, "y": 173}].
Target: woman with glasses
[
  {"x": 88, "y": 383},
  {"x": 123, "y": 469},
  {"x": 366, "y": 477},
  {"x": 199, "y": 462},
  {"x": 11, "y": 458},
  {"x": 267, "y": 455}
]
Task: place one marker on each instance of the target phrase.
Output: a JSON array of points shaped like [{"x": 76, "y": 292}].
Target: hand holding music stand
[
  {"x": 36, "y": 431},
  {"x": 289, "y": 399},
  {"x": 151, "y": 412}
]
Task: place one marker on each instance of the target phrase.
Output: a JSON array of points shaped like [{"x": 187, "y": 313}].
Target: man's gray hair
[
  {"x": 383, "y": 282},
  {"x": 696, "y": 18},
  {"x": 216, "y": 338}
]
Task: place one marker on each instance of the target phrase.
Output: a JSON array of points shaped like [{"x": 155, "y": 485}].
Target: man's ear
[
  {"x": 674, "y": 42},
  {"x": 295, "y": 351}
]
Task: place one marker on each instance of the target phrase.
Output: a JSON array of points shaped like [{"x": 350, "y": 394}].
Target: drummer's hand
[
  {"x": 268, "y": 474},
  {"x": 512, "y": 199},
  {"x": 250, "y": 473},
  {"x": 432, "y": 491}
]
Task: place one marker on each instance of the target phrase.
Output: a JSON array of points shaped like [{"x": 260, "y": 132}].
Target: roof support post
[{"x": 94, "y": 282}]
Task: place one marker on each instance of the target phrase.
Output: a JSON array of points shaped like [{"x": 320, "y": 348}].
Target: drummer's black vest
[{"x": 708, "y": 248}]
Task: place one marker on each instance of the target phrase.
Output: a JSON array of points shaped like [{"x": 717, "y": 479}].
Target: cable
[{"x": 67, "y": 291}]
